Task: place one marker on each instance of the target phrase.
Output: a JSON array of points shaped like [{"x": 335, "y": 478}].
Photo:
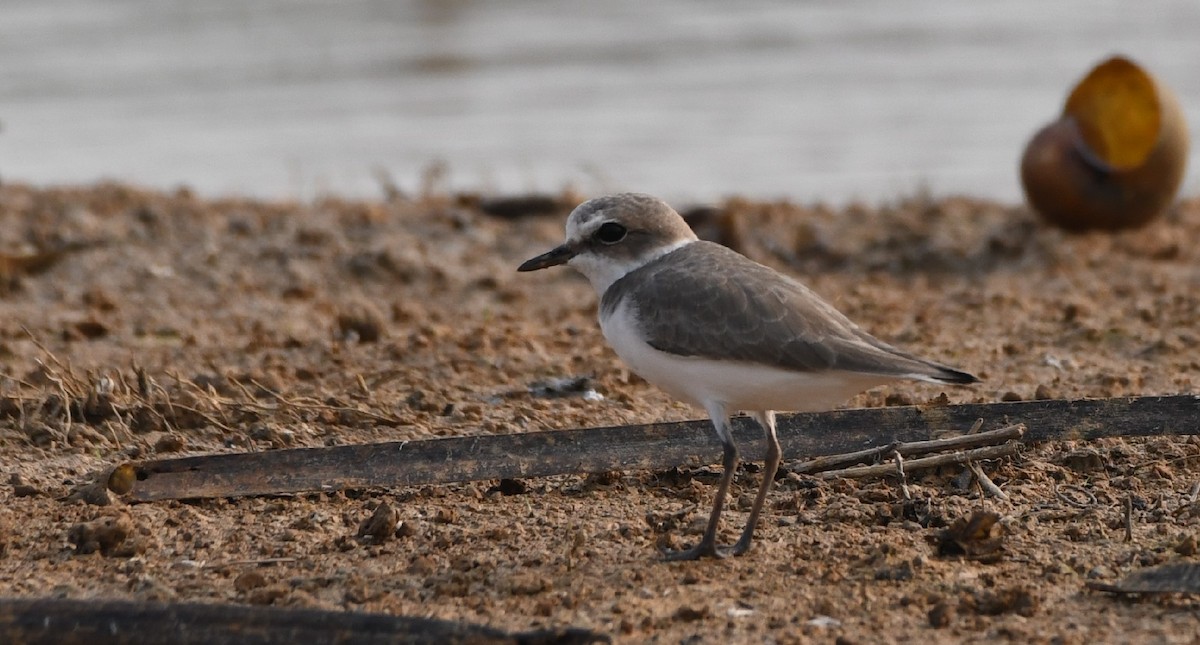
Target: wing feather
[{"x": 754, "y": 314}]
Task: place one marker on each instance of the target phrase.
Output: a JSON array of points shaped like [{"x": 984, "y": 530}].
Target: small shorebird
[{"x": 718, "y": 330}]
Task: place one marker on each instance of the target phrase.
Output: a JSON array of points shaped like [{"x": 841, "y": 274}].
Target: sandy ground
[{"x": 256, "y": 326}]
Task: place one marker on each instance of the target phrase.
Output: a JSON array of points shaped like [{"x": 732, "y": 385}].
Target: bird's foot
[{"x": 705, "y": 550}]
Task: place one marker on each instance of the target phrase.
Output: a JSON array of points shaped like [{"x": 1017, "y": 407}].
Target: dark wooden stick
[
  {"x": 1175, "y": 577},
  {"x": 639, "y": 447},
  {"x": 87, "y": 622}
]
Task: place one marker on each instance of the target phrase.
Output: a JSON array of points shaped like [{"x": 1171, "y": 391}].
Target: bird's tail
[
  {"x": 944, "y": 374},
  {"x": 906, "y": 365}
]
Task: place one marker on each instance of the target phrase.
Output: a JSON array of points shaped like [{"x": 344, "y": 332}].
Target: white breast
[{"x": 738, "y": 385}]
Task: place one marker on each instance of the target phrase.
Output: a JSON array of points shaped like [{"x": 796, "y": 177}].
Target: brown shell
[{"x": 1116, "y": 156}]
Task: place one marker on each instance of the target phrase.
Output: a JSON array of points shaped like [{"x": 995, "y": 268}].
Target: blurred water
[{"x": 823, "y": 100}]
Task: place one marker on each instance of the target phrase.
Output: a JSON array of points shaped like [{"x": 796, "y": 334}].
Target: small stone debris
[
  {"x": 108, "y": 535},
  {"x": 824, "y": 622},
  {"x": 94, "y": 494},
  {"x": 996, "y": 602},
  {"x": 248, "y": 581},
  {"x": 267, "y": 595},
  {"x": 89, "y": 329},
  {"x": 897, "y": 572},
  {"x": 144, "y": 420},
  {"x": 42, "y": 435},
  {"x": 941, "y": 615},
  {"x": 509, "y": 487},
  {"x": 1084, "y": 461},
  {"x": 85, "y": 436},
  {"x": 978, "y": 537},
  {"x": 381, "y": 526},
  {"x": 21, "y": 488},
  {"x": 169, "y": 443},
  {"x": 269, "y": 434},
  {"x": 422, "y": 565},
  {"x": 406, "y": 529},
  {"x": 25, "y": 490},
  {"x": 528, "y": 584},
  {"x": 691, "y": 614},
  {"x": 362, "y": 323},
  {"x": 606, "y": 478}
]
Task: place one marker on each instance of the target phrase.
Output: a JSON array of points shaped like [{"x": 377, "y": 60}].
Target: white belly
[{"x": 739, "y": 386}]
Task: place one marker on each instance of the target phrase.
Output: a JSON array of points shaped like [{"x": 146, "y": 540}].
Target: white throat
[{"x": 602, "y": 270}]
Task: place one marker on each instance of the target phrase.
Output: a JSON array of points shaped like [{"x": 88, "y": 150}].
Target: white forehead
[
  {"x": 588, "y": 216},
  {"x": 627, "y": 208}
]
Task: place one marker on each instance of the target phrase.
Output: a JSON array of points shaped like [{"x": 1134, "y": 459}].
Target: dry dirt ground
[{"x": 140, "y": 324}]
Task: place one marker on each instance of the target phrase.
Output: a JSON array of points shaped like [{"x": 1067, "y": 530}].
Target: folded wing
[{"x": 754, "y": 314}]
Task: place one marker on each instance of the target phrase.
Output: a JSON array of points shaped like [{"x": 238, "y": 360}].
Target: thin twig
[
  {"x": 986, "y": 482},
  {"x": 30, "y": 398},
  {"x": 211, "y": 395},
  {"x": 900, "y": 473},
  {"x": 385, "y": 418},
  {"x": 911, "y": 448},
  {"x": 988, "y": 452},
  {"x": 1129, "y": 517},
  {"x": 204, "y": 415},
  {"x": 991, "y": 437},
  {"x": 1070, "y": 502},
  {"x": 120, "y": 421},
  {"x": 1173, "y": 460},
  {"x": 243, "y": 563},
  {"x": 242, "y": 386},
  {"x": 166, "y": 398},
  {"x": 66, "y": 399},
  {"x": 829, "y": 462},
  {"x": 38, "y": 344},
  {"x": 171, "y": 405},
  {"x": 143, "y": 382}
]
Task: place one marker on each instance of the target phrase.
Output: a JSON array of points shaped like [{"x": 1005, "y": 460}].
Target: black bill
[{"x": 555, "y": 257}]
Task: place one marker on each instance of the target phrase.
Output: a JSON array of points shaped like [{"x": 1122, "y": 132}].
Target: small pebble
[
  {"x": 941, "y": 615},
  {"x": 106, "y": 535},
  {"x": 249, "y": 580},
  {"x": 168, "y": 443},
  {"x": 1187, "y": 546},
  {"x": 381, "y": 526}
]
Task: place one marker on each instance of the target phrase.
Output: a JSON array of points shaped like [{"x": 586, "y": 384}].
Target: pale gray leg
[
  {"x": 766, "y": 419},
  {"x": 708, "y": 543}
]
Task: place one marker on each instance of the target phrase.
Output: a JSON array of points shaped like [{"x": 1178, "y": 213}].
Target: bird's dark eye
[{"x": 610, "y": 233}]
